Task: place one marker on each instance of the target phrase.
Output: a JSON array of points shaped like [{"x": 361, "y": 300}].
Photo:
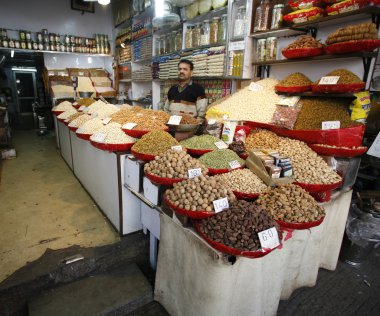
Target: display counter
[
  {"x": 65, "y": 143},
  {"x": 194, "y": 279}
]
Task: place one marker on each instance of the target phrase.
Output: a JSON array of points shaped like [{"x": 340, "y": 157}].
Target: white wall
[{"x": 56, "y": 16}]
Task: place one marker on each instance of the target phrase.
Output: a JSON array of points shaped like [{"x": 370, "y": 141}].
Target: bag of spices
[{"x": 360, "y": 107}]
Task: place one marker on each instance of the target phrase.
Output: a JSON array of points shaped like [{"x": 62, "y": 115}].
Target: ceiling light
[
  {"x": 104, "y": 2},
  {"x": 12, "y": 53},
  {"x": 24, "y": 69}
]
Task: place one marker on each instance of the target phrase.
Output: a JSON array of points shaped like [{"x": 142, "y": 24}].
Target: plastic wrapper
[
  {"x": 363, "y": 228},
  {"x": 232, "y": 251},
  {"x": 285, "y": 116},
  {"x": 238, "y": 147},
  {"x": 346, "y": 6},
  {"x": 360, "y": 107},
  {"x": 353, "y": 46},
  {"x": 228, "y": 132},
  {"x": 214, "y": 129},
  {"x": 191, "y": 11},
  {"x": 305, "y": 15},
  {"x": 302, "y": 52},
  {"x": 241, "y": 133},
  {"x": 304, "y": 4}
]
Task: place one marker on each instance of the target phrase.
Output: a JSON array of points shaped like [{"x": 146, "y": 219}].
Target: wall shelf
[
  {"x": 19, "y": 50},
  {"x": 207, "y": 16}
]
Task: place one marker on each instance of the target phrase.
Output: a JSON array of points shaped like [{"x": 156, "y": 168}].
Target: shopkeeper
[{"x": 186, "y": 97}]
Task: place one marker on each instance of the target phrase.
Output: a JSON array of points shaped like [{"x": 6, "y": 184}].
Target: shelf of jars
[
  {"x": 53, "y": 52},
  {"x": 370, "y": 11},
  {"x": 207, "y": 16}
]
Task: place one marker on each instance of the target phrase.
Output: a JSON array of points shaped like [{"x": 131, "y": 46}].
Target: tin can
[
  {"x": 23, "y": 44},
  {"x": 17, "y": 44},
  {"x": 35, "y": 45},
  {"x": 28, "y": 35},
  {"x": 40, "y": 46},
  {"x": 260, "y": 50},
  {"x": 277, "y": 13},
  {"x": 39, "y": 37},
  {"x": 22, "y": 35},
  {"x": 271, "y": 48}
]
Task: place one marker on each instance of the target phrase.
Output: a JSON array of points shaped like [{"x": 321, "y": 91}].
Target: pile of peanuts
[
  {"x": 290, "y": 203},
  {"x": 243, "y": 180}
]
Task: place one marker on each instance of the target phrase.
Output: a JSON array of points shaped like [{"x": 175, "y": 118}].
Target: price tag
[
  {"x": 99, "y": 137},
  {"x": 75, "y": 103},
  {"x": 194, "y": 173},
  {"x": 234, "y": 164},
  {"x": 330, "y": 125},
  {"x": 86, "y": 109},
  {"x": 289, "y": 101},
  {"x": 240, "y": 45},
  {"x": 129, "y": 125},
  {"x": 211, "y": 122},
  {"x": 177, "y": 148},
  {"x": 255, "y": 87},
  {"x": 329, "y": 80},
  {"x": 374, "y": 150},
  {"x": 269, "y": 238},
  {"x": 82, "y": 108},
  {"x": 175, "y": 120},
  {"x": 221, "y": 145},
  {"x": 106, "y": 120},
  {"x": 220, "y": 205}
]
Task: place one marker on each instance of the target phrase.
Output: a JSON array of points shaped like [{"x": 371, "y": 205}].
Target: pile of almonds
[
  {"x": 238, "y": 227},
  {"x": 198, "y": 194},
  {"x": 174, "y": 165},
  {"x": 290, "y": 203},
  {"x": 243, "y": 180}
]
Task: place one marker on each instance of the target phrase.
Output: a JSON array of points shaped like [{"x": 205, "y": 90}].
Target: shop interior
[{"x": 257, "y": 196}]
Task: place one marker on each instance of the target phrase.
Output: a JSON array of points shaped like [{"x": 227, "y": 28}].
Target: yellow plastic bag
[{"x": 361, "y": 106}]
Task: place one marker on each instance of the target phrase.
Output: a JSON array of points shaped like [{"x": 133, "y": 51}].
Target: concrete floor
[{"x": 42, "y": 205}]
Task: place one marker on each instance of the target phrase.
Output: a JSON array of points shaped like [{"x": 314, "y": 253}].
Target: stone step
[{"x": 116, "y": 292}]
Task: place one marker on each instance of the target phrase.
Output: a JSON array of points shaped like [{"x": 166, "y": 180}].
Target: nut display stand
[
  {"x": 194, "y": 279},
  {"x": 65, "y": 143}
]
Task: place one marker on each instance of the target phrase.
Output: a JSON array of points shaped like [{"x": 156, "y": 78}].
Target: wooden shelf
[
  {"x": 52, "y": 52},
  {"x": 208, "y": 15}
]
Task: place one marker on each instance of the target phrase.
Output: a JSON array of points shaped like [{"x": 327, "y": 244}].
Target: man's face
[{"x": 184, "y": 72}]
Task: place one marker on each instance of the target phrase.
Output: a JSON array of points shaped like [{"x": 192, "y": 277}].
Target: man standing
[{"x": 186, "y": 97}]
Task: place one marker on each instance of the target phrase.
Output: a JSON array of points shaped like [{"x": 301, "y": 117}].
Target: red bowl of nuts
[
  {"x": 143, "y": 157},
  {"x": 212, "y": 171},
  {"x": 300, "y": 226},
  {"x": 198, "y": 152},
  {"x": 353, "y": 46},
  {"x": 302, "y": 52},
  {"x": 112, "y": 147},
  {"x": 229, "y": 250},
  {"x": 326, "y": 150},
  {"x": 83, "y": 136},
  {"x": 315, "y": 188},
  {"x": 138, "y": 133},
  {"x": 163, "y": 181},
  {"x": 56, "y": 112},
  {"x": 246, "y": 196},
  {"x": 294, "y": 89},
  {"x": 71, "y": 128},
  {"x": 338, "y": 88},
  {"x": 188, "y": 213}
]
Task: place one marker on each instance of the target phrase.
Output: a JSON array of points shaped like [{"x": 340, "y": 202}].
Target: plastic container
[
  {"x": 222, "y": 29},
  {"x": 214, "y": 26},
  {"x": 205, "y": 33},
  {"x": 239, "y": 24},
  {"x": 262, "y": 16}
]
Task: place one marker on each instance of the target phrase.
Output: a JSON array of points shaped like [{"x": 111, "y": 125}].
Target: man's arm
[{"x": 201, "y": 108}]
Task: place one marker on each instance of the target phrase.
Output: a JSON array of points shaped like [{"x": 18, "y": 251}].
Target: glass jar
[
  {"x": 189, "y": 37},
  {"x": 277, "y": 13},
  {"x": 214, "y": 26},
  {"x": 51, "y": 37},
  {"x": 63, "y": 47},
  {"x": 196, "y": 35},
  {"x": 28, "y": 35},
  {"x": 167, "y": 43},
  {"x": 47, "y": 46},
  {"x": 40, "y": 46},
  {"x": 57, "y": 38},
  {"x": 52, "y": 46},
  {"x": 260, "y": 49},
  {"x": 22, "y": 35},
  {"x": 5, "y": 42},
  {"x": 157, "y": 45},
  {"x": 67, "y": 39},
  {"x": 17, "y": 44},
  {"x": 222, "y": 29},
  {"x": 23, "y": 44},
  {"x": 178, "y": 40},
  {"x": 205, "y": 36},
  {"x": 162, "y": 44},
  {"x": 35, "y": 45},
  {"x": 11, "y": 43},
  {"x": 239, "y": 25},
  {"x": 262, "y": 17},
  {"x": 271, "y": 48},
  {"x": 39, "y": 37},
  {"x": 57, "y": 46}
]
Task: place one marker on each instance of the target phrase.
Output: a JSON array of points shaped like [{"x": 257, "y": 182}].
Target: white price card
[
  {"x": 177, "y": 148},
  {"x": 175, "y": 120},
  {"x": 106, "y": 120},
  {"x": 329, "y": 80},
  {"x": 129, "y": 125},
  {"x": 234, "y": 164},
  {"x": 289, "y": 101},
  {"x": 193, "y": 173},
  {"x": 269, "y": 238},
  {"x": 220, "y": 205},
  {"x": 255, "y": 87},
  {"x": 330, "y": 125},
  {"x": 211, "y": 122},
  {"x": 75, "y": 103},
  {"x": 374, "y": 150},
  {"x": 99, "y": 137},
  {"x": 240, "y": 45},
  {"x": 221, "y": 145}
]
